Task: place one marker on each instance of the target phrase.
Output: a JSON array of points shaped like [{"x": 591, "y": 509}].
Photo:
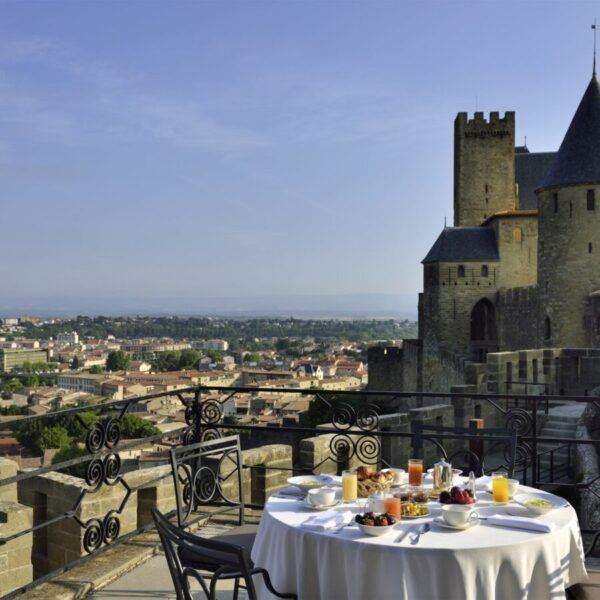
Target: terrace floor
[{"x": 151, "y": 580}]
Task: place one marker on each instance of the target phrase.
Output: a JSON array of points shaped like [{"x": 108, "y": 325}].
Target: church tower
[
  {"x": 569, "y": 233},
  {"x": 484, "y": 167}
]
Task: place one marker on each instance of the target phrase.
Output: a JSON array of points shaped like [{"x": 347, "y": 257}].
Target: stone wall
[
  {"x": 569, "y": 242},
  {"x": 518, "y": 318},
  {"x": 484, "y": 167},
  {"x": 15, "y": 556},
  {"x": 395, "y": 368},
  {"x": 517, "y": 238}
]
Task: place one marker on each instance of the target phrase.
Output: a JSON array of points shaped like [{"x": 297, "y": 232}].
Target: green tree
[
  {"x": 14, "y": 385},
  {"x": 117, "y": 360},
  {"x": 252, "y": 357},
  {"x": 135, "y": 427},
  {"x": 75, "y": 363},
  {"x": 96, "y": 369},
  {"x": 31, "y": 380},
  {"x": 68, "y": 453},
  {"x": 54, "y": 437}
]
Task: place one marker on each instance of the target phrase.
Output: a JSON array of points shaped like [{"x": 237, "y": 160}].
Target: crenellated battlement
[{"x": 480, "y": 123}]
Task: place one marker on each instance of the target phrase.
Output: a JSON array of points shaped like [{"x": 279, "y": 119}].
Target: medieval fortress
[{"x": 511, "y": 292}]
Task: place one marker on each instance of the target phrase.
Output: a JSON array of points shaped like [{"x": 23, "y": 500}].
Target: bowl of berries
[
  {"x": 457, "y": 496},
  {"x": 373, "y": 524}
]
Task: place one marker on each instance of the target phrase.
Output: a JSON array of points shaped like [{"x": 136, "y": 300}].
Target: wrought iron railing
[{"x": 359, "y": 424}]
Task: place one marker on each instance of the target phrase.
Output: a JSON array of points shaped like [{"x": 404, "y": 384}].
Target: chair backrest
[
  {"x": 208, "y": 479},
  {"x": 468, "y": 450},
  {"x": 228, "y": 560}
]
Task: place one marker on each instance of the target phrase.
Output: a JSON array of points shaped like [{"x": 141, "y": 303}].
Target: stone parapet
[
  {"x": 8, "y": 468},
  {"x": 15, "y": 556}
]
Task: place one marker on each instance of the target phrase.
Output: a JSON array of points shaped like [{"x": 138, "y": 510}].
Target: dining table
[{"x": 484, "y": 561}]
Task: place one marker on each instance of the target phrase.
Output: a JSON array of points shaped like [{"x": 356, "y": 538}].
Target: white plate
[
  {"x": 309, "y": 482},
  {"x": 440, "y": 521},
  {"x": 523, "y": 499},
  {"x": 307, "y": 504}
]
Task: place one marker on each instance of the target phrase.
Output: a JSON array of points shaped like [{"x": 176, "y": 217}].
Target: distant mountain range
[{"x": 343, "y": 306}]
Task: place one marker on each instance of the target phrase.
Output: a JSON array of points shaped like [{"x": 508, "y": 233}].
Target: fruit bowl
[
  {"x": 375, "y": 530},
  {"x": 366, "y": 523},
  {"x": 457, "y": 496}
]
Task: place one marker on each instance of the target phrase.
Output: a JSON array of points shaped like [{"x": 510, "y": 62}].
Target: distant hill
[{"x": 350, "y": 306}]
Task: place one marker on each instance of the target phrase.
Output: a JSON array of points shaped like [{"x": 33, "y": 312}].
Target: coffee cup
[
  {"x": 323, "y": 496},
  {"x": 399, "y": 476},
  {"x": 457, "y": 515},
  {"x": 513, "y": 486}
]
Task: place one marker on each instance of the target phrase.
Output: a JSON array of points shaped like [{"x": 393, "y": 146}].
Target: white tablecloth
[{"x": 483, "y": 562}]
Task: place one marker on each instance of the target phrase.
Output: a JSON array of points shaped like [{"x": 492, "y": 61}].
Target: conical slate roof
[{"x": 578, "y": 159}]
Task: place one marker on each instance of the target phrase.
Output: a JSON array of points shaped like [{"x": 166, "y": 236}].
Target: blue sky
[{"x": 190, "y": 150}]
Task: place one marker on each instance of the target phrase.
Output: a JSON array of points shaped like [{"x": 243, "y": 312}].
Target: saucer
[
  {"x": 440, "y": 521},
  {"x": 308, "y": 504}
]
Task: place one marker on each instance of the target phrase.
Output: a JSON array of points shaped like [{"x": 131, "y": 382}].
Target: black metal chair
[
  {"x": 208, "y": 481},
  {"x": 471, "y": 457},
  {"x": 207, "y": 560}
]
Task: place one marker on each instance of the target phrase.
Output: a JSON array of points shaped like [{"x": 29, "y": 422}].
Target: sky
[{"x": 171, "y": 155}]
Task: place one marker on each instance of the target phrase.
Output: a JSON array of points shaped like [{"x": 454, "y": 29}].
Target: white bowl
[
  {"x": 374, "y": 530},
  {"x": 525, "y": 499},
  {"x": 458, "y": 515},
  {"x": 309, "y": 482}
]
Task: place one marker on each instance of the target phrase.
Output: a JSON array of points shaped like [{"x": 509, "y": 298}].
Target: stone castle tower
[
  {"x": 569, "y": 233},
  {"x": 484, "y": 167}
]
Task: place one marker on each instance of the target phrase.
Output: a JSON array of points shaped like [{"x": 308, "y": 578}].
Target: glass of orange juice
[
  {"x": 500, "y": 487},
  {"x": 391, "y": 504},
  {"x": 415, "y": 471},
  {"x": 349, "y": 486}
]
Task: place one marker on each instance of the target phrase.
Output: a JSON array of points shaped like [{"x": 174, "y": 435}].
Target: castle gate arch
[{"x": 484, "y": 333}]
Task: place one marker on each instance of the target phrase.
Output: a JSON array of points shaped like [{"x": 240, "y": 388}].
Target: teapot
[{"x": 442, "y": 475}]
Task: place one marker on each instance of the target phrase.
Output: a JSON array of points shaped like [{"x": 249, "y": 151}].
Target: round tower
[{"x": 569, "y": 231}]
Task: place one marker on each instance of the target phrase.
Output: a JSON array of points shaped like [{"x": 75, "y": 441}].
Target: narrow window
[
  {"x": 555, "y": 201},
  {"x": 591, "y": 200},
  {"x": 486, "y": 188},
  {"x": 542, "y": 247},
  {"x": 570, "y": 209},
  {"x": 485, "y": 271},
  {"x": 590, "y": 248},
  {"x": 517, "y": 234},
  {"x": 547, "y": 328},
  {"x": 461, "y": 270}
]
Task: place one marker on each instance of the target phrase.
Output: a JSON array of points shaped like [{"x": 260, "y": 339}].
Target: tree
[
  {"x": 68, "y": 453},
  {"x": 75, "y": 363},
  {"x": 96, "y": 369},
  {"x": 135, "y": 427},
  {"x": 31, "y": 381},
  {"x": 54, "y": 437},
  {"x": 252, "y": 357},
  {"x": 117, "y": 360}
]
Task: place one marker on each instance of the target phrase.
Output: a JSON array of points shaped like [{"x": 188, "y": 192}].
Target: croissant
[{"x": 363, "y": 473}]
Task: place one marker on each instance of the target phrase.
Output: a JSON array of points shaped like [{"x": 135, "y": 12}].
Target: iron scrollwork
[{"x": 364, "y": 444}]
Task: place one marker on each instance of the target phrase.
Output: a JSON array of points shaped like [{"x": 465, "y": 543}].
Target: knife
[
  {"x": 402, "y": 535},
  {"x": 422, "y": 529}
]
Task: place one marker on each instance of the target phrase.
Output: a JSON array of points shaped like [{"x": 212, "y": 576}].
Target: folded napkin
[
  {"x": 521, "y": 523},
  {"x": 291, "y": 491},
  {"x": 328, "y": 520}
]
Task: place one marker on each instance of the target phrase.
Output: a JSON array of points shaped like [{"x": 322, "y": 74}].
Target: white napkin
[
  {"x": 291, "y": 491},
  {"x": 328, "y": 520},
  {"x": 521, "y": 523},
  {"x": 483, "y": 483}
]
